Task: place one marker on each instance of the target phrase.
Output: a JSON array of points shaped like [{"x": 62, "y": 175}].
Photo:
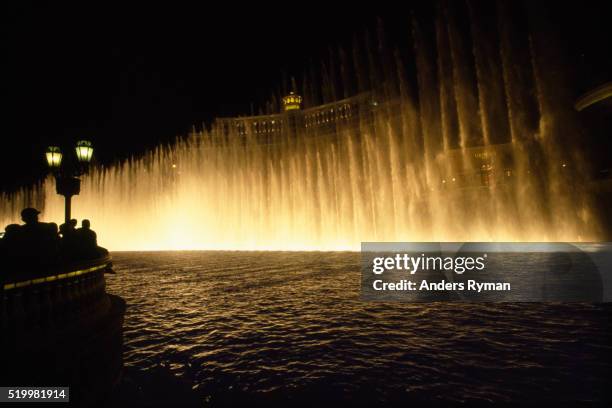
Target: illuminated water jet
[{"x": 469, "y": 155}]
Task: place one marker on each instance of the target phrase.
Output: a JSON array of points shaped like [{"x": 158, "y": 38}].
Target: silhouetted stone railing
[
  {"x": 59, "y": 326},
  {"x": 72, "y": 293}
]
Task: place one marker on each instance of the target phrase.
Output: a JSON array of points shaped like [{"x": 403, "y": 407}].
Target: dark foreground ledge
[{"x": 62, "y": 329}]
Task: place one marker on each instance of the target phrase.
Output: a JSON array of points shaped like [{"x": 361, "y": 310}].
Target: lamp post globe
[
  {"x": 54, "y": 157},
  {"x": 84, "y": 151}
]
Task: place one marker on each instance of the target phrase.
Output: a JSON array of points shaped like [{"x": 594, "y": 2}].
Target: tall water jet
[{"x": 467, "y": 155}]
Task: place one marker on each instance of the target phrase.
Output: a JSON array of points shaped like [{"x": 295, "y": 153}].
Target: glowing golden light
[
  {"x": 314, "y": 192},
  {"x": 22, "y": 284},
  {"x": 54, "y": 157},
  {"x": 292, "y": 102},
  {"x": 84, "y": 151}
]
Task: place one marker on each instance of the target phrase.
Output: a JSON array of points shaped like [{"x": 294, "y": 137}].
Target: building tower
[{"x": 292, "y": 102}]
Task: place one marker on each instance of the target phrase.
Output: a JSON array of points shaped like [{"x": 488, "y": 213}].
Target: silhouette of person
[
  {"x": 66, "y": 230},
  {"x": 69, "y": 243},
  {"x": 9, "y": 244},
  {"x": 88, "y": 240},
  {"x": 32, "y": 230},
  {"x": 37, "y": 240},
  {"x": 11, "y": 233},
  {"x": 52, "y": 232},
  {"x": 30, "y": 216}
]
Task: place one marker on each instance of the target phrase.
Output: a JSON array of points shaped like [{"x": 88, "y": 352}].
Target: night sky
[{"x": 129, "y": 77}]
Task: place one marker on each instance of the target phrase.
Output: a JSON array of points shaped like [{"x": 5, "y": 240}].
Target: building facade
[
  {"x": 482, "y": 166},
  {"x": 320, "y": 120}
]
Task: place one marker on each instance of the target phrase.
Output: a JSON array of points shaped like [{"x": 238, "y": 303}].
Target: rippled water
[{"x": 225, "y": 327}]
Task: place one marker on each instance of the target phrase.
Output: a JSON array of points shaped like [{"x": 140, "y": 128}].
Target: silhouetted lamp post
[{"x": 67, "y": 182}]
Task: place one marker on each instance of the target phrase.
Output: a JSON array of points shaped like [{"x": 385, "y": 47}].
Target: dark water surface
[{"x": 217, "y": 328}]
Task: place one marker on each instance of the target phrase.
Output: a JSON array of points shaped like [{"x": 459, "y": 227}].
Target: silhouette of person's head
[
  {"x": 11, "y": 228},
  {"x": 73, "y": 223},
  {"x": 85, "y": 224},
  {"x": 30, "y": 215}
]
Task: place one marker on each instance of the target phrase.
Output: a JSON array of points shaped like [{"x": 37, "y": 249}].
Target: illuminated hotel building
[
  {"x": 320, "y": 120},
  {"x": 475, "y": 166}
]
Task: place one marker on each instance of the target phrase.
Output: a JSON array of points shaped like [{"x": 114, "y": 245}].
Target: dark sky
[{"x": 130, "y": 76}]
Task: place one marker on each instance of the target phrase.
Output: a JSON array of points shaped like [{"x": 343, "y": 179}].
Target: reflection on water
[{"x": 222, "y": 327}]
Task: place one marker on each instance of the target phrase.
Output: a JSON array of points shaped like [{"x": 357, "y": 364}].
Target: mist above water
[{"x": 469, "y": 139}]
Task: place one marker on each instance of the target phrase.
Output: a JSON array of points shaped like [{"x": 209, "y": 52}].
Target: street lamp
[
  {"x": 54, "y": 157},
  {"x": 67, "y": 181},
  {"x": 84, "y": 150}
]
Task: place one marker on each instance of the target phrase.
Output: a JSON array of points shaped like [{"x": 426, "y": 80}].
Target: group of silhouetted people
[{"x": 41, "y": 242}]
